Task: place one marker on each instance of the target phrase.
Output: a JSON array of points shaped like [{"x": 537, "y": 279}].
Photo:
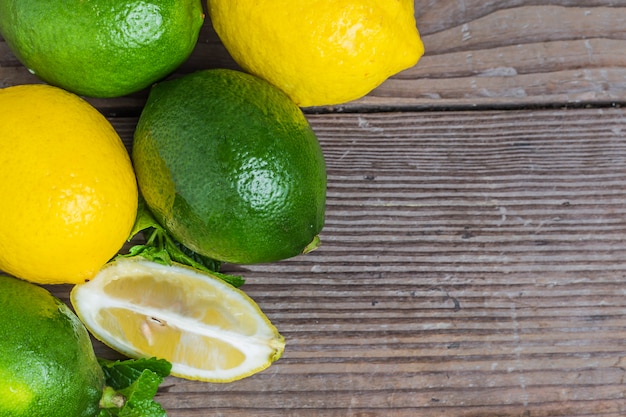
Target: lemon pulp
[{"x": 207, "y": 329}]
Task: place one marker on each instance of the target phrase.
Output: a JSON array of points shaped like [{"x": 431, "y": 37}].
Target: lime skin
[
  {"x": 47, "y": 364},
  {"x": 229, "y": 165},
  {"x": 105, "y": 48}
]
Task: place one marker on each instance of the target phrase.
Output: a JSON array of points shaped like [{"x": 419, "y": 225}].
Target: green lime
[
  {"x": 104, "y": 48},
  {"x": 230, "y": 166},
  {"x": 47, "y": 364}
]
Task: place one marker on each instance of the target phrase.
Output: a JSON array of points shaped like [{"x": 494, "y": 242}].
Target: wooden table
[{"x": 474, "y": 255}]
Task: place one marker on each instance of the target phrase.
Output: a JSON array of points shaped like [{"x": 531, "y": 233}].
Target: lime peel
[
  {"x": 48, "y": 365},
  {"x": 230, "y": 166}
]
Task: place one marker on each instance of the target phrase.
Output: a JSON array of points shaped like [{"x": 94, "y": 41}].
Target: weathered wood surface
[
  {"x": 473, "y": 261},
  {"x": 478, "y": 53},
  {"x": 473, "y": 264}
]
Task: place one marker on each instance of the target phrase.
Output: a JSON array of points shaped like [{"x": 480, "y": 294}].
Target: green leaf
[
  {"x": 143, "y": 408},
  {"x": 210, "y": 264},
  {"x": 234, "y": 280},
  {"x": 162, "y": 248},
  {"x": 121, "y": 374},
  {"x": 144, "y": 219},
  {"x": 131, "y": 386}
]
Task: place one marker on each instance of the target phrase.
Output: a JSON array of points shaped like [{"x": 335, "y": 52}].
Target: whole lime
[
  {"x": 230, "y": 166},
  {"x": 47, "y": 364},
  {"x": 104, "y": 48}
]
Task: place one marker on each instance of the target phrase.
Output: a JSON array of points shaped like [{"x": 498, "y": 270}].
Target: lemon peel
[
  {"x": 321, "y": 52},
  {"x": 68, "y": 194}
]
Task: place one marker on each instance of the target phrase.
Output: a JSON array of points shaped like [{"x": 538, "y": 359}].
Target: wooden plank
[
  {"x": 478, "y": 53},
  {"x": 494, "y": 53},
  {"x": 472, "y": 261},
  {"x": 473, "y": 264}
]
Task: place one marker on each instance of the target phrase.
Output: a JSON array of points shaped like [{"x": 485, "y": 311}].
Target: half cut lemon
[{"x": 207, "y": 329}]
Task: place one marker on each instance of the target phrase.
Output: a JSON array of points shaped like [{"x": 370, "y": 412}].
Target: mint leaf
[
  {"x": 131, "y": 386},
  {"x": 142, "y": 408},
  {"x": 139, "y": 396},
  {"x": 162, "y": 248},
  {"x": 208, "y": 263},
  {"x": 144, "y": 219},
  {"x": 121, "y": 374},
  {"x": 234, "y": 280}
]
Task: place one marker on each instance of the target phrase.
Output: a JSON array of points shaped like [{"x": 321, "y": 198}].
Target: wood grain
[
  {"x": 473, "y": 260},
  {"x": 488, "y": 53},
  {"x": 473, "y": 264},
  {"x": 478, "y": 54}
]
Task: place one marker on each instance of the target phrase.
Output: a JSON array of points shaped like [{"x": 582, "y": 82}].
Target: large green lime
[
  {"x": 229, "y": 165},
  {"x": 47, "y": 364},
  {"x": 103, "y": 48}
]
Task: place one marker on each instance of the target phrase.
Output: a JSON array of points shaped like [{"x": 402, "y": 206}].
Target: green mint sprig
[
  {"x": 162, "y": 248},
  {"x": 131, "y": 387}
]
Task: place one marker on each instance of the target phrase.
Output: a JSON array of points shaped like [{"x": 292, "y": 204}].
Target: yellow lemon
[
  {"x": 207, "y": 329},
  {"x": 68, "y": 194},
  {"x": 320, "y": 52}
]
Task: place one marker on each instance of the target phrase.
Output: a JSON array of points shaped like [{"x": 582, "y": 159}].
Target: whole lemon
[
  {"x": 68, "y": 193},
  {"x": 229, "y": 165},
  {"x": 103, "y": 48},
  {"x": 48, "y": 367},
  {"x": 320, "y": 52}
]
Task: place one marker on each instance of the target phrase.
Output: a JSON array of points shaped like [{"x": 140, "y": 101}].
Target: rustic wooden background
[{"x": 473, "y": 260}]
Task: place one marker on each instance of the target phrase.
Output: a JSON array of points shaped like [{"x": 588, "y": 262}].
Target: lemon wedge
[{"x": 209, "y": 330}]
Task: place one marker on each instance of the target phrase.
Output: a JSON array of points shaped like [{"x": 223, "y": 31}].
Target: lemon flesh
[
  {"x": 47, "y": 364},
  {"x": 320, "y": 52},
  {"x": 207, "y": 329}
]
